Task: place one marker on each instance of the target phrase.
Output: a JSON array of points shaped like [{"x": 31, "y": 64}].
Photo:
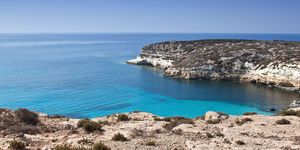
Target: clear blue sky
[{"x": 217, "y": 16}]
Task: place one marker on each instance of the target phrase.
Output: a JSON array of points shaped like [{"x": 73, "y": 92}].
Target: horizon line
[{"x": 146, "y": 33}]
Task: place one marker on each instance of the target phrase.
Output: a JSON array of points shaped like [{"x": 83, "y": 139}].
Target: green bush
[
  {"x": 286, "y": 112},
  {"x": 239, "y": 142},
  {"x": 283, "y": 122},
  {"x": 89, "y": 126},
  {"x": 119, "y": 137},
  {"x": 17, "y": 145},
  {"x": 100, "y": 146},
  {"x": 150, "y": 143},
  {"x": 97, "y": 146},
  {"x": 123, "y": 117},
  {"x": 26, "y": 116},
  {"x": 69, "y": 147},
  {"x": 176, "y": 121},
  {"x": 249, "y": 113}
]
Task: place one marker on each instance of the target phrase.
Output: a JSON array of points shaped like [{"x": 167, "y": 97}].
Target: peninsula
[{"x": 273, "y": 63}]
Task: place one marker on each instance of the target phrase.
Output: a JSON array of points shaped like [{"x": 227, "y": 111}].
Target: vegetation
[
  {"x": 290, "y": 112},
  {"x": 209, "y": 135},
  {"x": 283, "y": 122},
  {"x": 89, "y": 126},
  {"x": 26, "y": 116},
  {"x": 150, "y": 143},
  {"x": 242, "y": 121},
  {"x": 119, "y": 137},
  {"x": 17, "y": 145},
  {"x": 123, "y": 117},
  {"x": 239, "y": 142},
  {"x": 176, "y": 121},
  {"x": 249, "y": 113},
  {"x": 97, "y": 146}
]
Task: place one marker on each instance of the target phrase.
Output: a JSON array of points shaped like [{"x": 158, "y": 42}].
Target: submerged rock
[{"x": 273, "y": 63}]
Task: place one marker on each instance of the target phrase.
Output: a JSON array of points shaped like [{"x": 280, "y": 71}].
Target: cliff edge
[{"x": 274, "y": 63}]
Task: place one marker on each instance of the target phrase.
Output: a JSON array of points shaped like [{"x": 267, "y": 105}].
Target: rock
[
  {"x": 272, "y": 63},
  {"x": 295, "y": 104},
  {"x": 272, "y": 109},
  {"x": 212, "y": 116}
]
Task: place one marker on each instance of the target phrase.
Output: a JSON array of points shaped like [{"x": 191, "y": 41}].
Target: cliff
[{"x": 275, "y": 63}]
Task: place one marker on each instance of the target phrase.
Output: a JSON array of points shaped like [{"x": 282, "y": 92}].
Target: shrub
[
  {"x": 169, "y": 126},
  {"x": 26, "y": 116},
  {"x": 119, "y": 137},
  {"x": 150, "y": 143},
  {"x": 297, "y": 140},
  {"x": 219, "y": 134},
  {"x": 249, "y": 113},
  {"x": 17, "y": 145},
  {"x": 123, "y": 117},
  {"x": 283, "y": 122},
  {"x": 242, "y": 121},
  {"x": 83, "y": 122},
  {"x": 177, "y": 131},
  {"x": 291, "y": 112},
  {"x": 209, "y": 135},
  {"x": 89, "y": 126},
  {"x": 239, "y": 142},
  {"x": 100, "y": 146},
  {"x": 25, "y": 129},
  {"x": 216, "y": 121},
  {"x": 69, "y": 147},
  {"x": 176, "y": 121}
]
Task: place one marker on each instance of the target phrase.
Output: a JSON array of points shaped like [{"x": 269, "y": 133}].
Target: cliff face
[{"x": 275, "y": 63}]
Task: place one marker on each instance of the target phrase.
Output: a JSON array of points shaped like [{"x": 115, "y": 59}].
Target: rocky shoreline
[
  {"x": 272, "y": 63},
  {"x": 24, "y": 129}
]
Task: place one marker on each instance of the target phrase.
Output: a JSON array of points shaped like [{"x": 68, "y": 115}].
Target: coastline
[
  {"x": 272, "y": 63},
  {"x": 147, "y": 131}
]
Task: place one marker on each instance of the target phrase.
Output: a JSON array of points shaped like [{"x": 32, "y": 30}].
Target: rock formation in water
[{"x": 274, "y": 63}]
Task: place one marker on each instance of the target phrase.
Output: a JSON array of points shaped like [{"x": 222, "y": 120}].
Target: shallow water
[{"x": 84, "y": 75}]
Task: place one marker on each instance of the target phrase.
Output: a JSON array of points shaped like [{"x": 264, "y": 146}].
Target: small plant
[
  {"x": 297, "y": 140},
  {"x": 105, "y": 122},
  {"x": 123, "y": 117},
  {"x": 89, "y": 126},
  {"x": 17, "y": 145},
  {"x": 84, "y": 141},
  {"x": 219, "y": 134},
  {"x": 291, "y": 112},
  {"x": 239, "y": 142},
  {"x": 169, "y": 126},
  {"x": 242, "y": 121},
  {"x": 216, "y": 121},
  {"x": 175, "y": 121},
  {"x": 249, "y": 113},
  {"x": 150, "y": 143},
  {"x": 26, "y": 116},
  {"x": 209, "y": 135},
  {"x": 283, "y": 122},
  {"x": 69, "y": 147},
  {"x": 119, "y": 137},
  {"x": 100, "y": 146},
  {"x": 177, "y": 132},
  {"x": 226, "y": 141}
]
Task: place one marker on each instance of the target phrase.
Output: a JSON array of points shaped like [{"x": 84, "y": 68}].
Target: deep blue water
[{"x": 84, "y": 75}]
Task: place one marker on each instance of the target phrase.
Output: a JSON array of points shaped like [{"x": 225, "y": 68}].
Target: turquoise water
[{"x": 84, "y": 75}]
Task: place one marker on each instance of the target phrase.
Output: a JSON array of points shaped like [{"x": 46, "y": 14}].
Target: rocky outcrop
[
  {"x": 275, "y": 63},
  {"x": 145, "y": 131}
]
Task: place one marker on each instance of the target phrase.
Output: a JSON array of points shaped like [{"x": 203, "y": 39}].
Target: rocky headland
[
  {"x": 273, "y": 63},
  {"x": 24, "y": 129}
]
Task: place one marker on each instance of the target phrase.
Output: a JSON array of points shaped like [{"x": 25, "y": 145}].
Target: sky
[{"x": 150, "y": 16}]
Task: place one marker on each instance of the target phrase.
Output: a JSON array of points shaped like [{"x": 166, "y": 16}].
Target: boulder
[{"x": 212, "y": 116}]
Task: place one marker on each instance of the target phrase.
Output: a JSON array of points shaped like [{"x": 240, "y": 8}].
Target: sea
[{"x": 85, "y": 75}]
